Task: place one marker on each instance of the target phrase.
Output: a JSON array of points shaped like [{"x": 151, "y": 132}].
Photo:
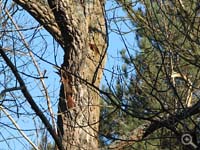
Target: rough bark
[{"x": 79, "y": 27}]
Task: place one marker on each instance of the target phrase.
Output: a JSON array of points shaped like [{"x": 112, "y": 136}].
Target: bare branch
[
  {"x": 37, "y": 68},
  {"x": 3, "y": 92},
  {"x": 43, "y": 14},
  {"x": 18, "y": 128},
  {"x": 29, "y": 98},
  {"x": 147, "y": 129}
]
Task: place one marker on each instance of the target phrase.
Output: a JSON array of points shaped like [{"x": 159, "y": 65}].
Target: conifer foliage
[{"x": 156, "y": 93}]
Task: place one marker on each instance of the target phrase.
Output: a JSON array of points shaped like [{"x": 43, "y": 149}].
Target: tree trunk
[
  {"x": 83, "y": 59},
  {"x": 79, "y": 27}
]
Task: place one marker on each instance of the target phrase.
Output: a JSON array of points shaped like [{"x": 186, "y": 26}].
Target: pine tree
[{"x": 165, "y": 80}]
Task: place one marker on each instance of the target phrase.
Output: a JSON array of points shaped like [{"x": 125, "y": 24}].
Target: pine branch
[{"x": 147, "y": 129}]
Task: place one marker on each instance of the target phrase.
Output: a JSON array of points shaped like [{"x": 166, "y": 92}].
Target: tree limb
[
  {"x": 30, "y": 100},
  {"x": 18, "y": 128},
  {"x": 44, "y": 15},
  {"x": 147, "y": 129}
]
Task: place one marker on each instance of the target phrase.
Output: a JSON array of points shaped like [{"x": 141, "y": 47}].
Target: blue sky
[{"x": 115, "y": 22}]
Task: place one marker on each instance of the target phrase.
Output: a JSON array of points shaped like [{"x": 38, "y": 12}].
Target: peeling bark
[{"x": 79, "y": 27}]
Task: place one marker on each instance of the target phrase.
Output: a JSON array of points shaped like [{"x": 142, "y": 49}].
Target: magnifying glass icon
[{"x": 186, "y": 139}]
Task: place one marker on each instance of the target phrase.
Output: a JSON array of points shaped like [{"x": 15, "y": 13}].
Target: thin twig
[
  {"x": 3, "y": 92},
  {"x": 38, "y": 70},
  {"x": 18, "y": 128},
  {"x": 30, "y": 100}
]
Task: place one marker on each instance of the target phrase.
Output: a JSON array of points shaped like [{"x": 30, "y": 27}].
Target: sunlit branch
[
  {"x": 29, "y": 98},
  {"x": 18, "y": 128},
  {"x": 38, "y": 70}
]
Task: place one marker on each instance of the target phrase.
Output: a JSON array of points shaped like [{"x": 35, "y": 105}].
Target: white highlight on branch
[
  {"x": 44, "y": 91},
  {"x": 189, "y": 84}
]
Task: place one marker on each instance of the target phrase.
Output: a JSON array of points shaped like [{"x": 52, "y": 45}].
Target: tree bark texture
[{"x": 79, "y": 27}]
